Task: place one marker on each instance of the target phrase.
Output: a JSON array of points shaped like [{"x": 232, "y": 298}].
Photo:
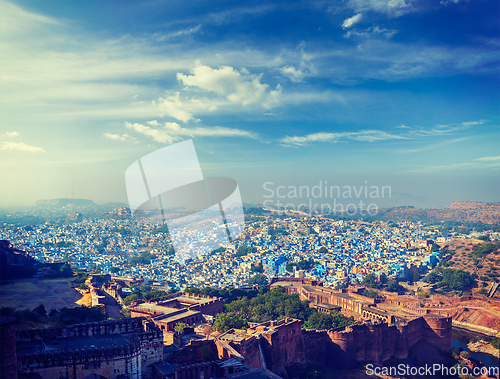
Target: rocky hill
[
  {"x": 14, "y": 263},
  {"x": 465, "y": 211},
  {"x": 475, "y": 257}
]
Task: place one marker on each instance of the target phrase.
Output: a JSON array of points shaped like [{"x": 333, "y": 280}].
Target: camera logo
[{"x": 201, "y": 214}]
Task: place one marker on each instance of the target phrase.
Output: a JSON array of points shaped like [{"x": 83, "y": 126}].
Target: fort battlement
[
  {"x": 378, "y": 341},
  {"x": 280, "y": 343},
  {"x": 134, "y": 325},
  {"x": 130, "y": 350},
  {"x": 78, "y": 356},
  {"x": 112, "y": 363}
]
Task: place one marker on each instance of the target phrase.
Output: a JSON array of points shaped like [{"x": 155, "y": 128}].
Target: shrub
[
  {"x": 495, "y": 342},
  {"x": 180, "y": 327},
  {"x": 465, "y": 354}
]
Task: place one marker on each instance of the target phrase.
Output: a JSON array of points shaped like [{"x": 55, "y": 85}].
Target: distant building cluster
[{"x": 342, "y": 251}]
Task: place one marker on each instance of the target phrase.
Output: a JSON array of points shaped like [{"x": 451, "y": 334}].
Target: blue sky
[{"x": 392, "y": 93}]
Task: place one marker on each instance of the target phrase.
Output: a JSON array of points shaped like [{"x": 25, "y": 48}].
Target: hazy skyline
[{"x": 392, "y": 93}]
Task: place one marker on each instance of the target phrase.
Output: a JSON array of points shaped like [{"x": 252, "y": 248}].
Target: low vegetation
[
  {"x": 143, "y": 258},
  {"x": 274, "y": 304},
  {"x": 451, "y": 279},
  {"x": 495, "y": 342},
  {"x": 302, "y": 265},
  {"x": 64, "y": 316},
  {"x": 143, "y": 293},
  {"x": 244, "y": 250}
]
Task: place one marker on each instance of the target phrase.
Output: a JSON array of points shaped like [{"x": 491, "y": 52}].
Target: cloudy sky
[{"x": 399, "y": 93}]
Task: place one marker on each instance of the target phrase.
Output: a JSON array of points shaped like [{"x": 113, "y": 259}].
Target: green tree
[
  {"x": 180, "y": 327},
  {"x": 465, "y": 354},
  {"x": 393, "y": 286},
  {"x": 143, "y": 258},
  {"x": 126, "y": 312},
  {"x": 40, "y": 310},
  {"x": 371, "y": 281},
  {"x": 435, "y": 247},
  {"x": 495, "y": 342},
  {"x": 370, "y": 293},
  {"x": 433, "y": 277},
  {"x": 66, "y": 271},
  {"x": 340, "y": 320},
  {"x": 80, "y": 314},
  {"x": 415, "y": 276},
  {"x": 258, "y": 268},
  {"x": 81, "y": 279},
  {"x": 130, "y": 298},
  {"x": 244, "y": 250},
  {"x": 258, "y": 279},
  {"x": 320, "y": 321},
  {"x": 225, "y": 321},
  {"x": 457, "y": 279}
]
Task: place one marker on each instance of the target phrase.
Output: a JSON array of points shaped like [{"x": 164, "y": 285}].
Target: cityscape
[
  {"x": 342, "y": 251},
  {"x": 250, "y": 190},
  {"x": 360, "y": 279}
]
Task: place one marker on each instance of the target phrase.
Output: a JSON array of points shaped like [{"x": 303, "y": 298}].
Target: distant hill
[
  {"x": 464, "y": 211},
  {"x": 59, "y": 203}
]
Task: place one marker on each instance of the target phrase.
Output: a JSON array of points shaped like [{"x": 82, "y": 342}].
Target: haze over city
[{"x": 402, "y": 94}]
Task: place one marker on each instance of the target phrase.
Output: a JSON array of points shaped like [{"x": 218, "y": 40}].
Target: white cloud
[
  {"x": 378, "y": 135},
  {"x": 21, "y": 146},
  {"x": 292, "y": 73},
  {"x": 363, "y": 135},
  {"x": 118, "y": 137},
  {"x": 15, "y": 20},
  {"x": 172, "y": 132},
  {"x": 155, "y": 134},
  {"x": 209, "y": 89},
  {"x": 348, "y": 22},
  {"x": 107, "y": 74},
  {"x": 180, "y": 33},
  {"x": 447, "y": 128},
  {"x": 300, "y": 59},
  {"x": 226, "y": 81},
  {"x": 388, "y": 33},
  {"x": 391, "y": 8},
  {"x": 488, "y": 159},
  {"x": 12, "y": 134},
  {"x": 183, "y": 109}
]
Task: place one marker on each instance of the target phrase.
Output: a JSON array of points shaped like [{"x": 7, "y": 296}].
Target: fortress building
[
  {"x": 275, "y": 345},
  {"x": 166, "y": 312},
  {"x": 135, "y": 348},
  {"x": 112, "y": 349}
]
